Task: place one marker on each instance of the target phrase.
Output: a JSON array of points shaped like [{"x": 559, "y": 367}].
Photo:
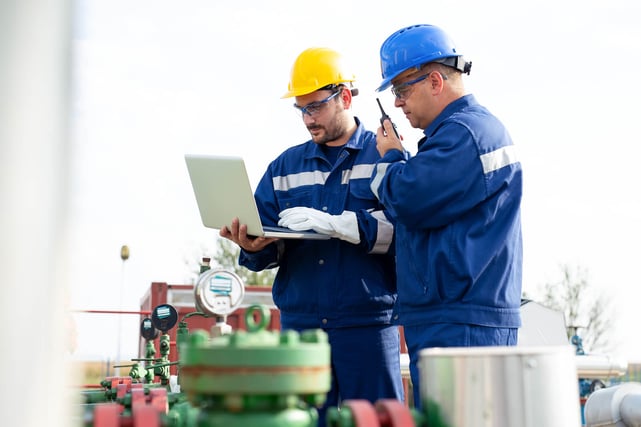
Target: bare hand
[
  {"x": 238, "y": 235},
  {"x": 386, "y": 139}
]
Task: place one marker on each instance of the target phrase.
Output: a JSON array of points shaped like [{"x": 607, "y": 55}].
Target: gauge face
[
  {"x": 219, "y": 292},
  {"x": 147, "y": 329},
  {"x": 164, "y": 317}
]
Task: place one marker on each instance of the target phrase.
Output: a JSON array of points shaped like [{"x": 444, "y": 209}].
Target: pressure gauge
[
  {"x": 218, "y": 292},
  {"x": 147, "y": 329},
  {"x": 164, "y": 317}
]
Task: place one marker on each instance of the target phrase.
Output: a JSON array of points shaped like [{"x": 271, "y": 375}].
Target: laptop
[{"x": 223, "y": 192}]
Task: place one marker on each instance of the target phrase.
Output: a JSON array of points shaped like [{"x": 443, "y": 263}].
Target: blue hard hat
[{"x": 417, "y": 45}]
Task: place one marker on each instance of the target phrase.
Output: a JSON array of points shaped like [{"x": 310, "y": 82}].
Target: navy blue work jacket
[
  {"x": 328, "y": 283},
  {"x": 456, "y": 204}
]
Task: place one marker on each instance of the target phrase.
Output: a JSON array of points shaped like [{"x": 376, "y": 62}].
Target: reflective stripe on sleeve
[
  {"x": 384, "y": 233},
  {"x": 497, "y": 159},
  {"x": 381, "y": 168}
]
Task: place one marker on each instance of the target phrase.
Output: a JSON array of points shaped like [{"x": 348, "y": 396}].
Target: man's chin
[{"x": 319, "y": 138}]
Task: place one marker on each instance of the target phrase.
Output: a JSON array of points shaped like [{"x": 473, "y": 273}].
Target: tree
[
  {"x": 225, "y": 256},
  {"x": 585, "y": 310}
]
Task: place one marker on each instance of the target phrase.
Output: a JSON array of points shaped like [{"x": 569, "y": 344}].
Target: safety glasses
[
  {"x": 402, "y": 91},
  {"x": 313, "y": 109}
]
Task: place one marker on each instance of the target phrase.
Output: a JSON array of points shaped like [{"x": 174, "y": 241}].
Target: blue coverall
[
  {"x": 458, "y": 232},
  {"x": 347, "y": 290}
]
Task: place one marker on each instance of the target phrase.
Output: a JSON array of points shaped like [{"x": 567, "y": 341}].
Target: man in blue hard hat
[{"x": 456, "y": 202}]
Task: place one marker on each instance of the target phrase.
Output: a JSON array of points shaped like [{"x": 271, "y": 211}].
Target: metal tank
[
  {"x": 499, "y": 387},
  {"x": 617, "y": 406}
]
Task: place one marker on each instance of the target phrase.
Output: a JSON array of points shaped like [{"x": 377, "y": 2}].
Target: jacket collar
[
  {"x": 458, "y": 105},
  {"x": 355, "y": 142}
]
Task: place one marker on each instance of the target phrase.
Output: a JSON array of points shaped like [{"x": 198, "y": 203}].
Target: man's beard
[{"x": 330, "y": 134}]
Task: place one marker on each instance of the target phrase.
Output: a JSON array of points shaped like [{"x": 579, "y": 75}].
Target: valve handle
[{"x": 257, "y": 318}]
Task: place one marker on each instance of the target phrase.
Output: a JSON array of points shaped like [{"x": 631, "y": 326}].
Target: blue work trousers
[{"x": 365, "y": 364}]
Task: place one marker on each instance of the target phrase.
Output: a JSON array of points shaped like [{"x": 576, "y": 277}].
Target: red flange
[
  {"x": 159, "y": 399},
  {"x": 363, "y": 413},
  {"x": 146, "y": 416},
  {"x": 106, "y": 415},
  {"x": 138, "y": 398},
  {"x": 121, "y": 391},
  {"x": 394, "y": 413}
]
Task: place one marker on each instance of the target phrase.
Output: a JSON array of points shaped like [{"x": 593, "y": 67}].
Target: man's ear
[
  {"x": 436, "y": 82},
  {"x": 346, "y": 97}
]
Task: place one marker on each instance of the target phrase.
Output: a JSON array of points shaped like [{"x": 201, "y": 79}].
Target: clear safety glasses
[
  {"x": 313, "y": 109},
  {"x": 402, "y": 91}
]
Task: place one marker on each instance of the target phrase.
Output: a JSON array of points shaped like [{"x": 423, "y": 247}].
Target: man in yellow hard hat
[{"x": 346, "y": 284}]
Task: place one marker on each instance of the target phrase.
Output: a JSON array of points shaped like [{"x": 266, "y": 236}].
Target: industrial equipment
[
  {"x": 226, "y": 378},
  {"x": 273, "y": 378}
]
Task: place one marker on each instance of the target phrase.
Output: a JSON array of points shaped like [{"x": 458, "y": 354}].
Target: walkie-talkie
[{"x": 385, "y": 116}]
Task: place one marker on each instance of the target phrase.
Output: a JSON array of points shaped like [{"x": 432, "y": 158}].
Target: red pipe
[{"x": 146, "y": 312}]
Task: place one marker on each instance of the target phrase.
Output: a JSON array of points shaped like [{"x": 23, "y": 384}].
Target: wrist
[{"x": 394, "y": 154}]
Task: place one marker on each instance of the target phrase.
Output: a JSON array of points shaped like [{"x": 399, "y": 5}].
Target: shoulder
[{"x": 296, "y": 153}]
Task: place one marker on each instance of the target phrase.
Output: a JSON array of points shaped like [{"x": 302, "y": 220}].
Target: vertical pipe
[{"x": 34, "y": 159}]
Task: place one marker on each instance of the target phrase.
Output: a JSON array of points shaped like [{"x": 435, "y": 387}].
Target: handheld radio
[{"x": 384, "y": 116}]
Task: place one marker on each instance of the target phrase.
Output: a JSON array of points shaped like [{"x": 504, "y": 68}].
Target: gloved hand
[{"x": 343, "y": 226}]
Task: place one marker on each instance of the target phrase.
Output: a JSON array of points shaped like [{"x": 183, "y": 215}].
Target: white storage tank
[{"x": 500, "y": 386}]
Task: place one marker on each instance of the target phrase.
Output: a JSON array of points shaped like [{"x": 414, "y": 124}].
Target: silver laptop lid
[{"x": 223, "y": 192}]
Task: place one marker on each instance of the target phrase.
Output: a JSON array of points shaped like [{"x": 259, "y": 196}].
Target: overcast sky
[{"x": 154, "y": 80}]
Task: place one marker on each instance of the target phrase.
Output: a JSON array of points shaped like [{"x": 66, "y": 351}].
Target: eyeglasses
[
  {"x": 402, "y": 91},
  {"x": 313, "y": 109}
]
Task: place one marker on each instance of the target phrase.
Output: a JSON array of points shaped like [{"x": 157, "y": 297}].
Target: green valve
[{"x": 257, "y": 374}]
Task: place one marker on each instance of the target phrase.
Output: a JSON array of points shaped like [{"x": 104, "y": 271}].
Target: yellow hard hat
[{"x": 315, "y": 68}]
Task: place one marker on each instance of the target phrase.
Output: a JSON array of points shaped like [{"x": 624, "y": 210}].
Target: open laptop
[{"x": 223, "y": 192}]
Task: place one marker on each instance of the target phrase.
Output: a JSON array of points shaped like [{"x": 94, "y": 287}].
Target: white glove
[{"x": 343, "y": 226}]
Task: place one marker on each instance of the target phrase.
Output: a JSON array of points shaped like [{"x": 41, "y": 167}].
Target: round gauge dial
[
  {"x": 164, "y": 317},
  {"x": 147, "y": 329},
  {"x": 219, "y": 292}
]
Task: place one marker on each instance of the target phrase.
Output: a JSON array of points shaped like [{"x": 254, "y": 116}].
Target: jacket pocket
[
  {"x": 361, "y": 196},
  {"x": 292, "y": 199}
]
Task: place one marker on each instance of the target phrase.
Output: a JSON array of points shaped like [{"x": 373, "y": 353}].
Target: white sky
[{"x": 154, "y": 80}]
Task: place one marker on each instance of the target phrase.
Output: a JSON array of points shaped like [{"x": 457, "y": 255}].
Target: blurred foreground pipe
[
  {"x": 587, "y": 366},
  {"x": 616, "y": 406},
  {"x": 34, "y": 156},
  {"x": 600, "y": 366}
]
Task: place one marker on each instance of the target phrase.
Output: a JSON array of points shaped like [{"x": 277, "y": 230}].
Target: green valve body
[{"x": 256, "y": 377}]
